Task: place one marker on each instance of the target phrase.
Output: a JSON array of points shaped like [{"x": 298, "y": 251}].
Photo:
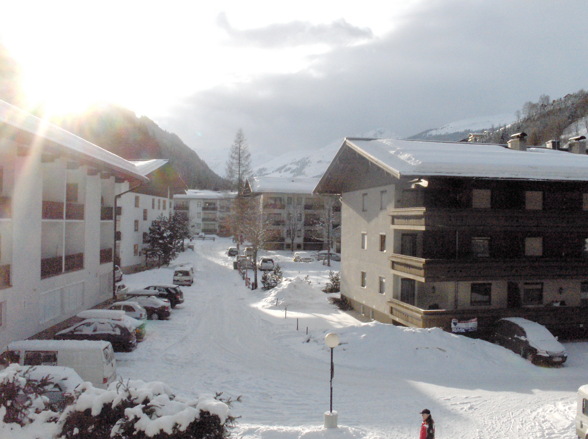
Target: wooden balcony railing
[
  {"x": 74, "y": 211},
  {"x": 106, "y": 213},
  {"x": 74, "y": 262},
  {"x": 51, "y": 266},
  {"x": 4, "y": 276},
  {"x": 430, "y": 218},
  {"x": 5, "y": 207},
  {"x": 52, "y": 210},
  {"x": 435, "y": 270},
  {"x": 105, "y": 255}
]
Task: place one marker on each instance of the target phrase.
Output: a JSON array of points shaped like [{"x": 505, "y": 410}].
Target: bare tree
[
  {"x": 293, "y": 223},
  {"x": 238, "y": 168},
  {"x": 323, "y": 227}
]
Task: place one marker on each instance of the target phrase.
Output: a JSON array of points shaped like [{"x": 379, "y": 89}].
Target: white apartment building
[
  {"x": 206, "y": 210},
  {"x": 57, "y": 195}
]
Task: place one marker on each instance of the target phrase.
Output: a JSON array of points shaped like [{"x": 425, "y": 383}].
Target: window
[
  {"x": 364, "y": 241},
  {"x": 164, "y": 203},
  {"x": 145, "y": 237},
  {"x": 71, "y": 192},
  {"x": 136, "y": 250},
  {"x": 481, "y": 294},
  {"x": 38, "y": 358},
  {"x": 364, "y": 202},
  {"x": 152, "y": 203},
  {"x": 407, "y": 291},
  {"x": 144, "y": 214},
  {"x": 363, "y": 279},
  {"x": 383, "y": 199},
  {"x": 158, "y": 204},
  {"x": 534, "y": 200},
  {"x": 408, "y": 244},
  {"x": 381, "y": 285},
  {"x": 534, "y": 246},
  {"x": 199, "y": 204},
  {"x": 584, "y": 293},
  {"x": 533, "y": 293},
  {"x": 481, "y": 198},
  {"x": 136, "y": 225},
  {"x": 481, "y": 247},
  {"x": 382, "y": 242},
  {"x": 289, "y": 201},
  {"x": 136, "y": 200}
]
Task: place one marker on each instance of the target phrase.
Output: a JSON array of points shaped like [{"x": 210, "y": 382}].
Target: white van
[
  {"x": 582, "y": 412},
  {"x": 93, "y": 360}
]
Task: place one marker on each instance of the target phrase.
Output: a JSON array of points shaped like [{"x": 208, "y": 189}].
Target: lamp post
[{"x": 332, "y": 341}]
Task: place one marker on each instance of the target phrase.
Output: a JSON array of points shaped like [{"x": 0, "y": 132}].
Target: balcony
[
  {"x": 421, "y": 218},
  {"x": 53, "y": 210},
  {"x": 209, "y": 209},
  {"x": 4, "y": 276},
  {"x": 279, "y": 206},
  {"x": 106, "y": 213},
  {"x": 314, "y": 207},
  {"x": 439, "y": 270},
  {"x": 105, "y": 255},
  {"x": 74, "y": 211},
  {"x": 5, "y": 207},
  {"x": 561, "y": 320}
]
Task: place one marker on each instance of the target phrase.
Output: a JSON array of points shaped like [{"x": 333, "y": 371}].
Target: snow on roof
[
  {"x": 18, "y": 118},
  {"x": 205, "y": 195},
  {"x": 410, "y": 158},
  {"x": 289, "y": 185},
  {"x": 146, "y": 167}
]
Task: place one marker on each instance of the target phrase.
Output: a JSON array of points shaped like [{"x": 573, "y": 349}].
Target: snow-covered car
[
  {"x": 232, "y": 251},
  {"x": 157, "y": 308},
  {"x": 322, "y": 255},
  {"x": 118, "y": 274},
  {"x": 530, "y": 340},
  {"x": 302, "y": 257},
  {"x": 204, "y": 236},
  {"x": 244, "y": 263},
  {"x": 266, "y": 264},
  {"x": 173, "y": 293},
  {"x": 131, "y": 308},
  {"x": 118, "y": 316},
  {"x": 118, "y": 333},
  {"x": 121, "y": 289}
]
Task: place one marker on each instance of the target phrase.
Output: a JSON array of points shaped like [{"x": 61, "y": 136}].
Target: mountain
[
  {"x": 461, "y": 129},
  {"x": 120, "y": 131}
]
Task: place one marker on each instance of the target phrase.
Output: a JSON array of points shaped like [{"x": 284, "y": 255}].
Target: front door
[{"x": 407, "y": 291}]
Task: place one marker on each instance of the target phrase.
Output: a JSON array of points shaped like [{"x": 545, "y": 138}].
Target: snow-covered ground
[{"x": 268, "y": 347}]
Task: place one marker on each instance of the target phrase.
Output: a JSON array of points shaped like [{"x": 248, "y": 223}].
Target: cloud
[
  {"x": 443, "y": 61},
  {"x": 296, "y": 33}
]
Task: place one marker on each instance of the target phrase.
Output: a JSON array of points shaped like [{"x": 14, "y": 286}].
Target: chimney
[
  {"x": 552, "y": 144},
  {"x": 518, "y": 142},
  {"x": 577, "y": 145}
]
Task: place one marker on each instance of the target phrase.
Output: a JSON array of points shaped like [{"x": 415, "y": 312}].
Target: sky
[
  {"x": 268, "y": 347},
  {"x": 297, "y": 76}
]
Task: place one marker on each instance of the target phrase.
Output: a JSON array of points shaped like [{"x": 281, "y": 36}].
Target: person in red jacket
[{"x": 428, "y": 425}]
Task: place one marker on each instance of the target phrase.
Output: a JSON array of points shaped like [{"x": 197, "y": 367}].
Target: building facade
[
  {"x": 434, "y": 234},
  {"x": 205, "y": 210},
  {"x": 57, "y": 195}
]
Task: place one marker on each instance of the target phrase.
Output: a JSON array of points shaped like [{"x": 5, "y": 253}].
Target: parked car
[
  {"x": 266, "y": 264},
  {"x": 117, "y": 316},
  {"x": 157, "y": 308},
  {"x": 204, "y": 236},
  {"x": 61, "y": 383},
  {"x": 582, "y": 412},
  {"x": 184, "y": 276},
  {"x": 131, "y": 308},
  {"x": 173, "y": 293},
  {"x": 118, "y": 333},
  {"x": 94, "y": 360},
  {"x": 302, "y": 257},
  {"x": 322, "y": 255},
  {"x": 531, "y": 340},
  {"x": 121, "y": 289},
  {"x": 244, "y": 263},
  {"x": 118, "y": 274},
  {"x": 232, "y": 251}
]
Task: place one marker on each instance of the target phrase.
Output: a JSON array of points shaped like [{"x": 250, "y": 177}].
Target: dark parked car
[
  {"x": 232, "y": 251},
  {"x": 158, "y": 308},
  {"x": 530, "y": 340},
  {"x": 119, "y": 334},
  {"x": 173, "y": 293}
]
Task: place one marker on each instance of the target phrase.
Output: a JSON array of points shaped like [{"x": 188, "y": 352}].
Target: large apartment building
[
  {"x": 57, "y": 194},
  {"x": 206, "y": 210},
  {"x": 296, "y": 215},
  {"x": 434, "y": 234}
]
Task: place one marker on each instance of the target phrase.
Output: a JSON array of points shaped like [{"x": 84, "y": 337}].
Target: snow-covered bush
[
  {"x": 334, "y": 284},
  {"x": 139, "y": 410},
  {"x": 272, "y": 279}
]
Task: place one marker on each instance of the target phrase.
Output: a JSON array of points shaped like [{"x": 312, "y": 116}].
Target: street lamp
[{"x": 332, "y": 341}]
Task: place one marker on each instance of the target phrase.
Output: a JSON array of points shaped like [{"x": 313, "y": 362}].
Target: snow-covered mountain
[{"x": 455, "y": 131}]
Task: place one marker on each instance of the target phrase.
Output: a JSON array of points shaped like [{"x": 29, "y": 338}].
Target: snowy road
[{"x": 227, "y": 338}]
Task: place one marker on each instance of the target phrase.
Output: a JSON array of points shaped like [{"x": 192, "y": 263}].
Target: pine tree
[{"x": 238, "y": 168}]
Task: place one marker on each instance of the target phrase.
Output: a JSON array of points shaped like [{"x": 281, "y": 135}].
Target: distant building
[
  {"x": 57, "y": 195},
  {"x": 436, "y": 232},
  {"x": 206, "y": 210}
]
